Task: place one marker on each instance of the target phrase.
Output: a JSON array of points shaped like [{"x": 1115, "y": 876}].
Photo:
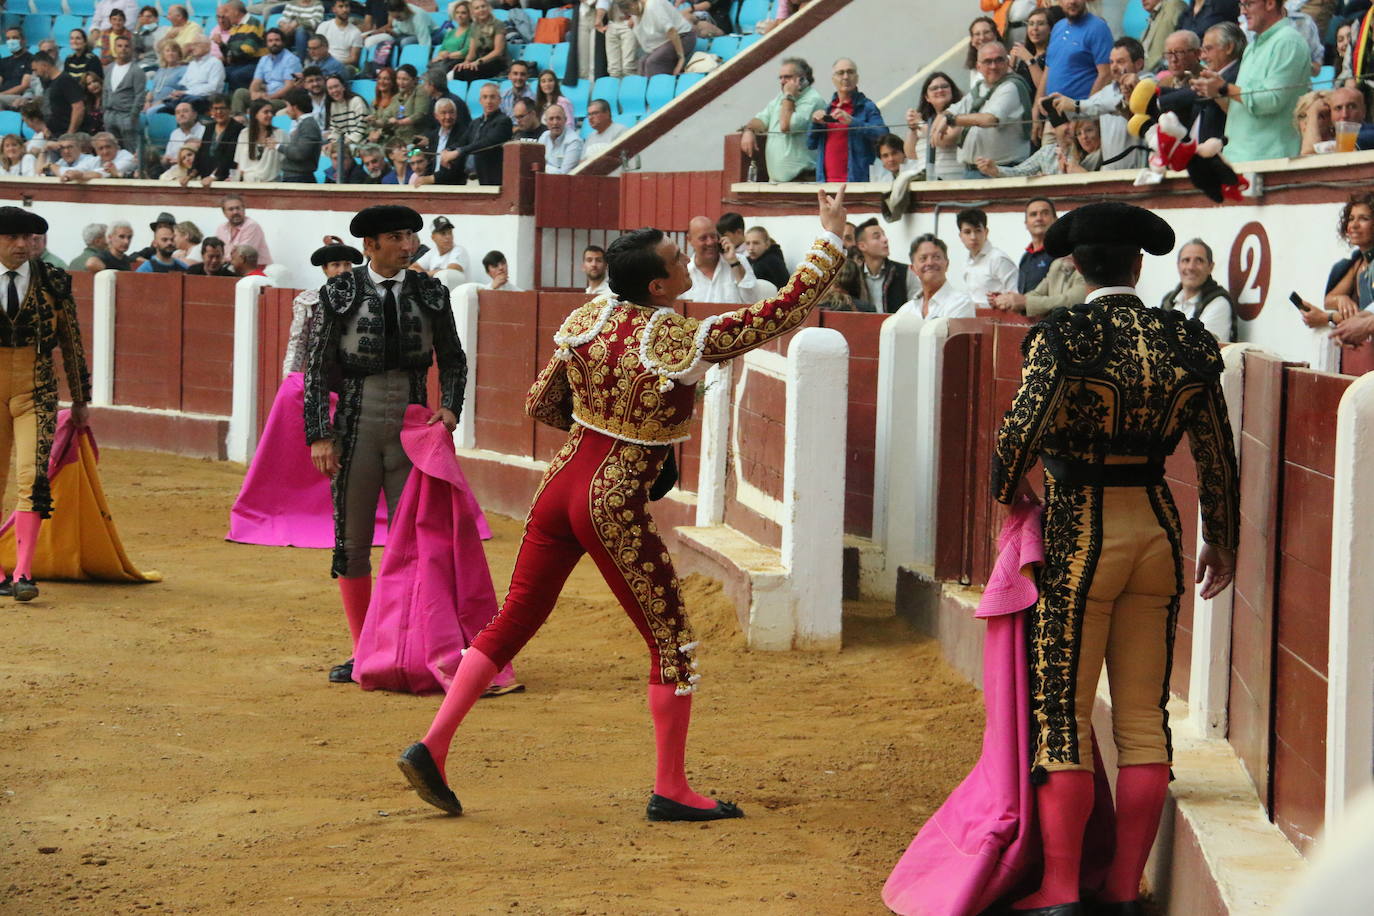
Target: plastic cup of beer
[{"x": 1346, "y": 134}]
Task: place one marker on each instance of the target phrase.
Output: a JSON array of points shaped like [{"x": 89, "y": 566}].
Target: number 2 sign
[{"x": 1248, "y": 270}]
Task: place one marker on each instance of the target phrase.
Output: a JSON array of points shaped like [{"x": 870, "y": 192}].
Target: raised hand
[{"x": 832, "y": 211}]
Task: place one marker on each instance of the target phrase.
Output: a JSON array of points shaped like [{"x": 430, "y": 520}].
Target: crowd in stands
[
  {"x": 317, "y": 89},
  {"x": 1048, "y": 85}
]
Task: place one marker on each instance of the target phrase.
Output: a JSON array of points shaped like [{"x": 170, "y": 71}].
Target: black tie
[
  {"x": 12, "y": 303},
  {"x": 392, "y": 326}
]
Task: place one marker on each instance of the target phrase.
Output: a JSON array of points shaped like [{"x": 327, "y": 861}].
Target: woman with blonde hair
[
  {"x": 187, "y": 234},
  {"x": 1312, "y": 118},
  {"x": 183, "y": 172},
  {"x": 14, "y": 159}
]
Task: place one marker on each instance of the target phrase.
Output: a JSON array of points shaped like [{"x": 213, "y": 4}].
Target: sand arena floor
[{"x": 176, "y": 748}]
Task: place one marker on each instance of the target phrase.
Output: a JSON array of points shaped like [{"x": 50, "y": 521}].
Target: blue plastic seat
[
  {"x": 48, "y": 7},
  {"x": 62, "y": 29},
  {"x": 659, "y": 91},
  {"x": 725, "y": 47},
  {"x": 365, "y": 90},
  {"x": 36, "y": 29},
  {"x": 283, "y": 123},
  {"x": 10, "y": 122},
  {"x": 627, "y": 118},
  {"x": 633, "y": 90},
  {"x": 586, "y": 130},
  {"x": 537, "y": 56},
  {"x": 687, "y": 81},
  {"x": 579, "y": 95},
  {"x": 503, "y": 15},
  {"x": 160, "y": 127},
  {"x": 751, "y": 13},
  {"x": 562, "y": 13},
  {"x": 747, "y": 40},
  {"x": 272, "y": 20},
  {"x": 1135, "y": 20},
  {"x": 558, "y": 60},
  {"x": 1325, "y": 78},
  {"x": 417, "y": 56},
  {"x": 86, "y": 8},
  {"x": 607, "y": 89}
]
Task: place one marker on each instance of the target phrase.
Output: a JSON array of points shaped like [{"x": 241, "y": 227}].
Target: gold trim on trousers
[{"x": 18, "y": 423}]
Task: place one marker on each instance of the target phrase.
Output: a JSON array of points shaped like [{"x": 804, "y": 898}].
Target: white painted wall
[
  {"x": 291, "y": 234},
  {"x": 889, "y": 39},
  {"x": 1302, "y": 240}
]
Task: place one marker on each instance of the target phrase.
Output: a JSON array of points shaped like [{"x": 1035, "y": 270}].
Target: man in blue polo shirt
[{"x": 1076, "y": 60}]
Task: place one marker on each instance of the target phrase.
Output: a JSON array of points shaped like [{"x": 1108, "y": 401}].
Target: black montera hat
[
  {"x": 18, "y": 221},
  {"x": 331, "y": 253},
  {"x": 386, "y": 218},
  {"x": 1109, "y": 223}
]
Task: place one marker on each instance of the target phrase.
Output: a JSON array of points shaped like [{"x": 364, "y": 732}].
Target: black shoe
[
  {"x": 342, "y": 674},
  {"x": 25, "y": 590},
  {"x": 7, "y": 588},
  {"x": 423, "y": 775},
  {"x": 1128, "y": 908},
  {"x": 1059, "y": 909},
  {"x": 665, "y": 809}
]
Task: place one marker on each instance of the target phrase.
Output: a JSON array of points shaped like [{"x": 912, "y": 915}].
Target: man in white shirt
[
  {"x": 1126, "y": 61},
  {"x": 345, "y": 39},
  {"x": 604, "y": 130},
  {"x": 188, "y": 130},
  {"x": 937, "y": 298},
  {"x": 109, "y": 161},
  {"x": 203, "y": 78},
  {"x": 445, "y": 255},
  {"x": 70, "y": 158},
  {"x": 562, "y": 147},
  {"x": 498, "y": 273},
  {"x": 717, "y": 271},
  {"x": 594, "y": 267},
  {"x": 1198, "y": 295},
  {"x": 989, "y": 269}
]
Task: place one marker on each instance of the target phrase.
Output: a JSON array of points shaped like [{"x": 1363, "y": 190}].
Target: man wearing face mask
[{"x": 17, "y": 84}]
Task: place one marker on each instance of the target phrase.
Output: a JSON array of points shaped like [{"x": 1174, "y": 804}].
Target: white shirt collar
[
  {"x": 377, "y": 279},
  {"x": 22, "y": 270},
  {"x": 1111, "y": 291}
]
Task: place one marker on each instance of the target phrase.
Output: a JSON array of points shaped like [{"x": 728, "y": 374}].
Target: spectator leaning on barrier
[
  {"x": 562, "y": 147},
  {"x": 1200, "y": 15},
  {"x": 765, "y": 257},
  {"x": 212, "y": 263},
  {"x": 1164, "y": 15},
  {"x": 14, "y": 159},
  {"x": 785, "y": 121},
  {"x": 993, "y": 120},
  {"x": 1198, "y": 295},
  {"x": 941, "y": 162},
  {"x": 239, "y": 229},
  {"x": 935, "y": 296},
  {"x": 988, "y": 269},
  {"x": 887, "y": 283},
  {"x": 594, "y": 269},
  {"x": 110, "y": 161},
  {"x": 1273, "y": 74},
  {"x": 72, "y": 156},
  {"x": 1106, "y": 104},
  {"x": 845, "y": 133},
  {"x": 1349, "y": 285},
  {"x": 719, "y": 273}
]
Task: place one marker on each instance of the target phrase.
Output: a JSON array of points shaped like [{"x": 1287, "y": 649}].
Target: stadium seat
[
  {"x": 417, "y": 56},
  {"x": 273, "y": 20},
  {"x": 725, "y": 47},
  {"x": 537, "y": 56},
  {"x": 565, "y": 12},
  {"x": 1135, "y": 20},
  {"x": 48, "y": 7},
  {"x": 558, "y": 61},
  {"x": 365, "y": 90},
  {"x": 160, "y": 127},
  {"x": 503, "y": 85},
  {"x": 62, "y": 29},
  {"x": 586, "y": 130},
  {"x": 607, "y": 89},
  {"x": 747, "y": 40},
  {"x": 503, "y": 15},
  {"x": 86, "y": 8},
  {"x": 632, "y": 95},
  {"x": 579, "y": 95},
  {"x": 751, "y": 13},
  {"x": 659, "y": 90},
  {"x": 283, "y": 123},
  {"x": 687, "y": 81},
  {"x": 1325, "y": 78},
  {"x": 626, "y": 118},
  {"x": 10, "y": 122},
  {"x": 36, "y": 29}
]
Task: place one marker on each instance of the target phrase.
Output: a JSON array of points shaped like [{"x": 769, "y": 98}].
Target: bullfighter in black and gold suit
[
  {"x": 37, "y": 313},
  {"x": 1108, "y": 389},
  {"x": 623, "y": 382}
]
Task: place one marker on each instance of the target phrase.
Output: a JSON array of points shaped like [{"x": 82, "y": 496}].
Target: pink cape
[
  {"x": 983, "y": 844},
  {"x": 284, "y": 501},
  {"x": 434, "y": 591}
]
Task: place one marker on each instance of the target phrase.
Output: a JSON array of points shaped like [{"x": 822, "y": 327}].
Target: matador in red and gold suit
[{"x": 622, "y": 381}]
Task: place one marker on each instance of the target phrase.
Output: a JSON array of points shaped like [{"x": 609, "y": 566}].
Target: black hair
[
  {"x": 1043, "y": 200},
  {"x": 409, "y": 68},
  {"x": 862, "y": 227},
  {"x": 435, "y": 78},
  {"x": 121, "y": 13},
  {"x": 597, "y": 248},
  {"x": 43, "y": 57},
  {"x": 633, "y": 262},
  {"x": 927, "y": 110},
  {"x": 279, "y": 33},
  {"x": 492, "y": 259},
  {"x": 1106, "y": 265},
  {"x": 971, "y": 58},
  {"x": 930, "y": 237},
  {"x": 973, "y": 217},
  {"x": 729, "y": 222},
  {"x": 311, "y": 70},
  {"x": 300, "y": 99},
  {"x": 891, "y": 141},
  {"x": 1132, "y": 46},
  {"x": 211, "y": 241}
]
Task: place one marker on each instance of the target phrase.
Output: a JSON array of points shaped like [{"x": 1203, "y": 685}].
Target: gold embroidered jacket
[
  {"x": 1114, "y": 382},
  {"x": 48, "y": 320},
  {"x": 618, "y": 364}
]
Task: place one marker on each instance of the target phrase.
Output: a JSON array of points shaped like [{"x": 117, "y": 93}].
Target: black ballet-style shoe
[
  {"x": 422, "y": 773},
  {"x": 25, "y": 589},
  {"x": 665, "y": 809},
  {"x": 342, "y": 674},
  {"x": 1125, "y": 908},
  {"x": 7, "y": 588},
  {"x": 1059, "y": 909}
]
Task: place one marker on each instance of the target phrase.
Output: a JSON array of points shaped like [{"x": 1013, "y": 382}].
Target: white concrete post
[
  {"x": 243, "y": 418},
  {"x": 1350, "y": 666},
  {"x": 103, "y": 338},
  {"x": 715, "y": 444},
  {"x": 813, "y": 483},
  {"x": 465, "y": 312},
  {"x": 1209, "y": 668},
  {"x": 894, "y": 484},
  {"x": 925, "y": 454}
]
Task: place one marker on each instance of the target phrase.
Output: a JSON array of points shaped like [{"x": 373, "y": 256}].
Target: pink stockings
[
  {"x": 1140, "y": 792},
  {"x": 26, "y": 525},
  {"x": 356, "y": 592},
  {"x": 671, "y": 714}
]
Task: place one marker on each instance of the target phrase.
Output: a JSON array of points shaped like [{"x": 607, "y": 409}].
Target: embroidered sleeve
[
  {"x": 1042, "y": 384},
  {"x": 69, "y": 339},
  {"x": 453, "y": 362},
  {"x": 320, "y": 360},
  {"x": 301, "y": 308},
  {"x": 550, "y": 400},
  {"x": 1218, "y": 491},
  {"x": 726, "y": 336}
]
